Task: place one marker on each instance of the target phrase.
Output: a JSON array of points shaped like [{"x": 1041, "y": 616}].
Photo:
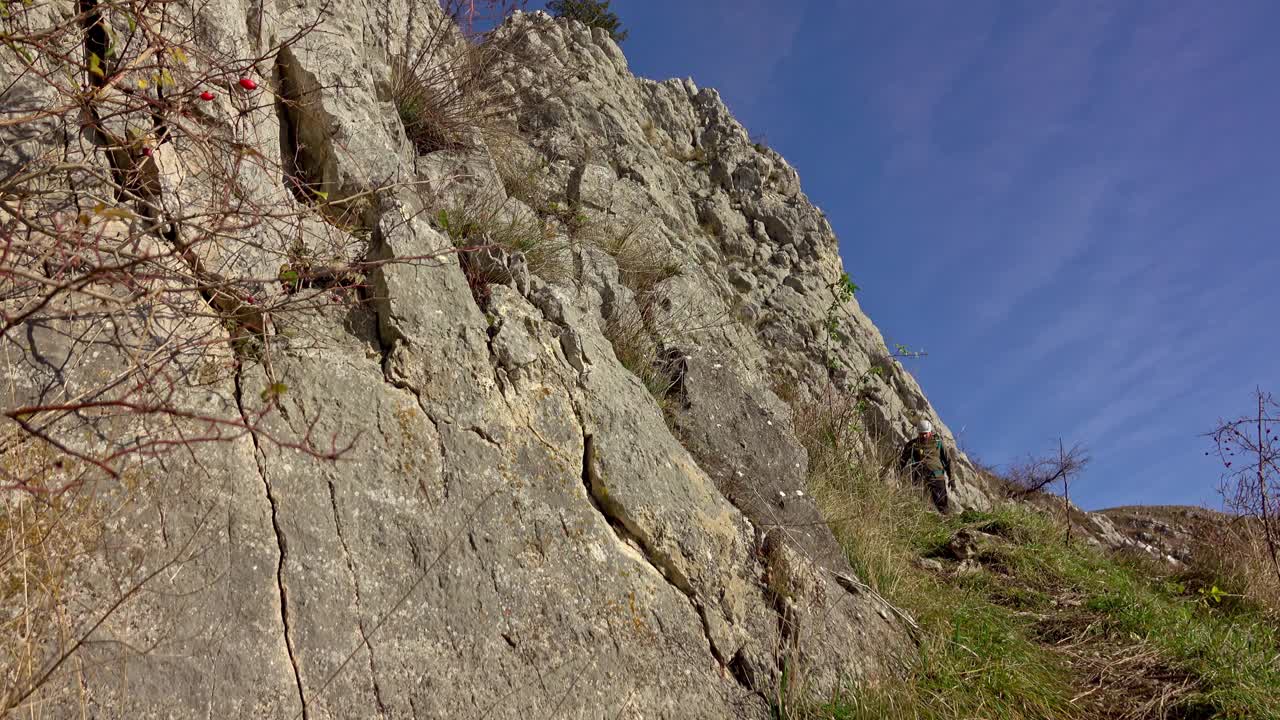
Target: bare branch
[
  {"x": 1037, "y": 473},
  {"x": 1249, "y": 450}
]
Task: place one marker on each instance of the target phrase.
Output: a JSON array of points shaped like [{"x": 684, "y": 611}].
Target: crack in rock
[
  {"x": 355, "y": 584},
  {"x": 281, "y": 544},
  {"x": 633, "y": 537}
]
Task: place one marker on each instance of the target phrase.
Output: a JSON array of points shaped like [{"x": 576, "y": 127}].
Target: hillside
[
  {"x": 356, "y": 370},
  {"x": 1013, "y": 623},
  {"x": 1172, "y": 531}
]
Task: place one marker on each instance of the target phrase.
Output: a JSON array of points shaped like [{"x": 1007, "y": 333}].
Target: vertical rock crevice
[
  {"x": 355, "y": 584},
  {"x": 281, "y": 544},
  {"x": 306, "y": 152},
  {"x": 628, "y": 534}
]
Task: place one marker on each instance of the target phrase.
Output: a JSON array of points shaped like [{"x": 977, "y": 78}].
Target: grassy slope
[{"x": 1042, "y": 630}]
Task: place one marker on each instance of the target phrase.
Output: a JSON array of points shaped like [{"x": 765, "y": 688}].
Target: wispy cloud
[
  {"x": 1070, "y": 203},
  {"x": 757, "y": 36},
  {"x": 1102, "y": 191}
]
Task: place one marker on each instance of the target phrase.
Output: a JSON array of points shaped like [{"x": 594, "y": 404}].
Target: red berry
[
  {"x": 206, "y": 96},
  {"x": 146, "y": 151},
  {"x": 248, "y": 83}
]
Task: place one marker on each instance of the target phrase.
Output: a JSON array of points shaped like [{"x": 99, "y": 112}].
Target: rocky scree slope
[
  {"x": 518, "y": 528},
  {"x": 1172, "y": 535}
]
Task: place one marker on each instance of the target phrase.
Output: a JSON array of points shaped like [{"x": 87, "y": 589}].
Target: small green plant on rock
[
  {"x": 308, "y": 269},
  {"x": 570, "y": 215},
  {"x": 843, "y": 290}
]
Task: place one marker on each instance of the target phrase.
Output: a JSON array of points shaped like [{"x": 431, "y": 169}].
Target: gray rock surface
[
  {"x": 517, "y": 526},
  {"x": 970, "y": 544}
]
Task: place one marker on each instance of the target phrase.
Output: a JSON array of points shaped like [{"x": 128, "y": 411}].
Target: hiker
[{"x": 926, "y": 460}]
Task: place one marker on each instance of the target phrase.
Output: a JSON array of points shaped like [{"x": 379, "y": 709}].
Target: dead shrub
[
  {"x": 451, "y": 88},
  {"x": 521, "y": 169},
  {"x": 1249, "y": 448},
  {"x": 489, "y": 225},
  {"x": 43, "y": 539},
  {"x": 1235, "y": 558}
]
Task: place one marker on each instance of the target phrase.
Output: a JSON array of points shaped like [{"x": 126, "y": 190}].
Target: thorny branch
[{"x": 1249, "y": 449}]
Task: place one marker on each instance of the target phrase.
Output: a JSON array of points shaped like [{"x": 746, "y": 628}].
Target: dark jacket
[{"x": 926, "y": 458}]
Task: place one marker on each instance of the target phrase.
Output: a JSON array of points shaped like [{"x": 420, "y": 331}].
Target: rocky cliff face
[{"x": 517, "y": 524}]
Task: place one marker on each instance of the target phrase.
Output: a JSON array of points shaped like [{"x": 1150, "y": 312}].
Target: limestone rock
[
  {"x": 929, "y": 564},
  {"x": 969, "y": 544},
  {"x": 515, "y": 525}
]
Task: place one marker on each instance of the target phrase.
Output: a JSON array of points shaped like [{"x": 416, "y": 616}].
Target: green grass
[
  {"x": 1232, "y": 653},
  {"x": 1015, "y": 640},
  {"x": 978, "y": 658}
]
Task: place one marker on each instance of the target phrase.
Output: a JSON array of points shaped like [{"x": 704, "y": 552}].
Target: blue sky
[{"x": 1073, "y": 206}]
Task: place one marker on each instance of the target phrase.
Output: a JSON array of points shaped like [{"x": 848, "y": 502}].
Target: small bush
[
  {"x": 650, "y": 131},
  {"x": 1234, "y": 559},
  {"x": 593, "y": 13},
  {"x": 644, "y": 262},
  {"x": 641, "y": 332},
  {"x": 1248, "y": 447},
  {"x": 697, "y": 156},
  {"x": 521, "y": 169}
]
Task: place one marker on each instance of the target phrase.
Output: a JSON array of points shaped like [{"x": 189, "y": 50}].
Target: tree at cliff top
[{"x": 594, "y": 13}]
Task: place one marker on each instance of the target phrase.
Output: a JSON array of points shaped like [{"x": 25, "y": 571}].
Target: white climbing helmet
[{"x": 925, "y": 427}]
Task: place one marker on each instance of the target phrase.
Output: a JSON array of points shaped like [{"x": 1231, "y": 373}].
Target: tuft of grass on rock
[{"x": 488, "y": 222}]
